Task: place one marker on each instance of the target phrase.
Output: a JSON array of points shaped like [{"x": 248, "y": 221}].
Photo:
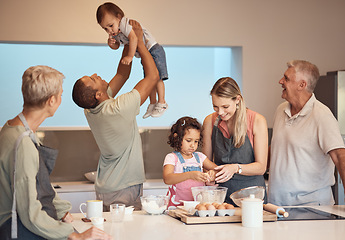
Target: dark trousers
[{"x": 23, "y": 232}]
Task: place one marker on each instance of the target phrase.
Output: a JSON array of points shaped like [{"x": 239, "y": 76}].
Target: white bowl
[
  {"x": 129, "y": 210},
  {"x": 91, "y": 176},
  {"x": 154, "y": 204},
  {"x": 190, "y": 205}
]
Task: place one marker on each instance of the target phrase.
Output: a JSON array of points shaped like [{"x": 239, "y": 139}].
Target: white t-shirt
[
  {"x": 301, "y": 170},
  {"x": 126, "y": 28}
]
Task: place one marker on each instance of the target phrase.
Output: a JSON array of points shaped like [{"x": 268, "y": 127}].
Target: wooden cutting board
[{"x": 187, "y": 218}]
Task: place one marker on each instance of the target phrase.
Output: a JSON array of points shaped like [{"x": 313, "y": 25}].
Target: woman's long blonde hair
[{"x": 227, "y": 88}]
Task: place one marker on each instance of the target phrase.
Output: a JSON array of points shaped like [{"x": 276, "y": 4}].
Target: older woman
[
  {"x": 236, "y": 138},
  {"x": 29, "y": 206}
]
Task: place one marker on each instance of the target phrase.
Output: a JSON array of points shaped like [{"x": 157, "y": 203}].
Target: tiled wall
[{"x": 78, "y": 153}]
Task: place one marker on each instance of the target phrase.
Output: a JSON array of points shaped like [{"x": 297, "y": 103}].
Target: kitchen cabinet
[
  {"x": 76, "y": 198},
  {"x": 80, "y": 192}
]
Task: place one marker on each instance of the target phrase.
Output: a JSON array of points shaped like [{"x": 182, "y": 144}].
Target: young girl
[
  {"x": 111, "y": 18},
  {"x": 183, "y": 168}
]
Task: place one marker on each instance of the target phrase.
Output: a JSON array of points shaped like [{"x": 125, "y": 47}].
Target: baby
[{"x": 111, "y": 18}]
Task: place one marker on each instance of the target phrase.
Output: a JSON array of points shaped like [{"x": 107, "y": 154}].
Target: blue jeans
[{"x": 158, "y": 55}]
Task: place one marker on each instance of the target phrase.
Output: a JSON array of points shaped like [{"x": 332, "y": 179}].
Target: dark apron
[
  {"x": 45, "y": 191},
  {"x": 224, "y": 152}
]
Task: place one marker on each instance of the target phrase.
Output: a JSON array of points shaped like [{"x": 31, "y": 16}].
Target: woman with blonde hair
[{"x": 235, "y": 138}]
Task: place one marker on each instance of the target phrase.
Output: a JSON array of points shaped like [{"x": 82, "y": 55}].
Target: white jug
[{"x": 252, "y": 212}]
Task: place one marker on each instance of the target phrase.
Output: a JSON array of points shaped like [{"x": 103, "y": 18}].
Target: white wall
[{"x": 270, "y": 31}]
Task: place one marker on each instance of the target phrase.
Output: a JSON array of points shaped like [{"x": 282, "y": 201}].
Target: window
[{"x": 192, "y": 73}]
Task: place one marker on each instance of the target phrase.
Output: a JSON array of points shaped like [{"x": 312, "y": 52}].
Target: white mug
[{"x": 94, "y": 208}]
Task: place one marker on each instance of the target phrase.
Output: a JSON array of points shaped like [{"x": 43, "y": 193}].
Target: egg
[
  {"x": 215, "y": 205},
  {"x": 221, "y": 207},
  {"x": 198, "y": 206},
  {"x": 210, "y": 207},
  {"x": 229, "y": 206},
  {"x": 202, "y": 207},
  {"x": 207, "y": 205}
]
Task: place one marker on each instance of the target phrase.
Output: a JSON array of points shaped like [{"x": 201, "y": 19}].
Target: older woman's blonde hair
[
  {"x": 39, "y": 84},
  {"x": 227, "y": 88}
]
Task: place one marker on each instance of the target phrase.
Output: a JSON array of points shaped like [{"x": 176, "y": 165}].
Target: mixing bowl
[
  {"x": 91, "y": 176},
  {"x": 209, "y": 194},
  {"x": 238, "y": 196},
  {"x": 154, "y": 204}
]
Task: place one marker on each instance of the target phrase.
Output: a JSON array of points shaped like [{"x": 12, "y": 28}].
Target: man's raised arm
[
  {"x": 122, "y": 74},
  {"x": 146, "y": 85}
]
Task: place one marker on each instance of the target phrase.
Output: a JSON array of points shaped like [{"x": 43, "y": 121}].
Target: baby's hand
[
  {"x": 126, "y": 60},
  {"x": 112, "y": 43}
]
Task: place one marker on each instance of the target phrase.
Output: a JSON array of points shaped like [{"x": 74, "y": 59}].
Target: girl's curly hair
[{"x": 178, "y": 131}]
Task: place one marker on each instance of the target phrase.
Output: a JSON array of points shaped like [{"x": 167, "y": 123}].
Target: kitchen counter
[{"x": 161, "y": 227}]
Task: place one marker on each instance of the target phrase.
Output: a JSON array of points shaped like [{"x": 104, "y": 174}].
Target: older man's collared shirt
[{"x": 301, "y": 170}]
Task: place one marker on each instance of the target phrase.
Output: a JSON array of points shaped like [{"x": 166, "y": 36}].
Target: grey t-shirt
[{"x": 115, "y": 129}]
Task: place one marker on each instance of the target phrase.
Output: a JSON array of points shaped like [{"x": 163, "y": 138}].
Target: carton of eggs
[{"x": 212, "y": 209}]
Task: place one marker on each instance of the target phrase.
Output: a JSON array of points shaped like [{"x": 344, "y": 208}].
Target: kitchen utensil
[
  {"x": 238, "y": 196},
  {"x": 154, "y": 204},
  {"x": 275, "y": 209},
  {"x": 252, "y": 211},
  {"x": 209, "y": 194}
]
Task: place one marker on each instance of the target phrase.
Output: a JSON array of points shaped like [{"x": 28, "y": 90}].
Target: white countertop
[
  {"x": 148, "y": 227},
  {"x": 86, "y": 186}
]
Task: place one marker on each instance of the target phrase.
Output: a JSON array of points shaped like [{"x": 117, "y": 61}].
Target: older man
[
  {"x": 306, "y": 142},
  {"x": 120, "y": 173}
]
